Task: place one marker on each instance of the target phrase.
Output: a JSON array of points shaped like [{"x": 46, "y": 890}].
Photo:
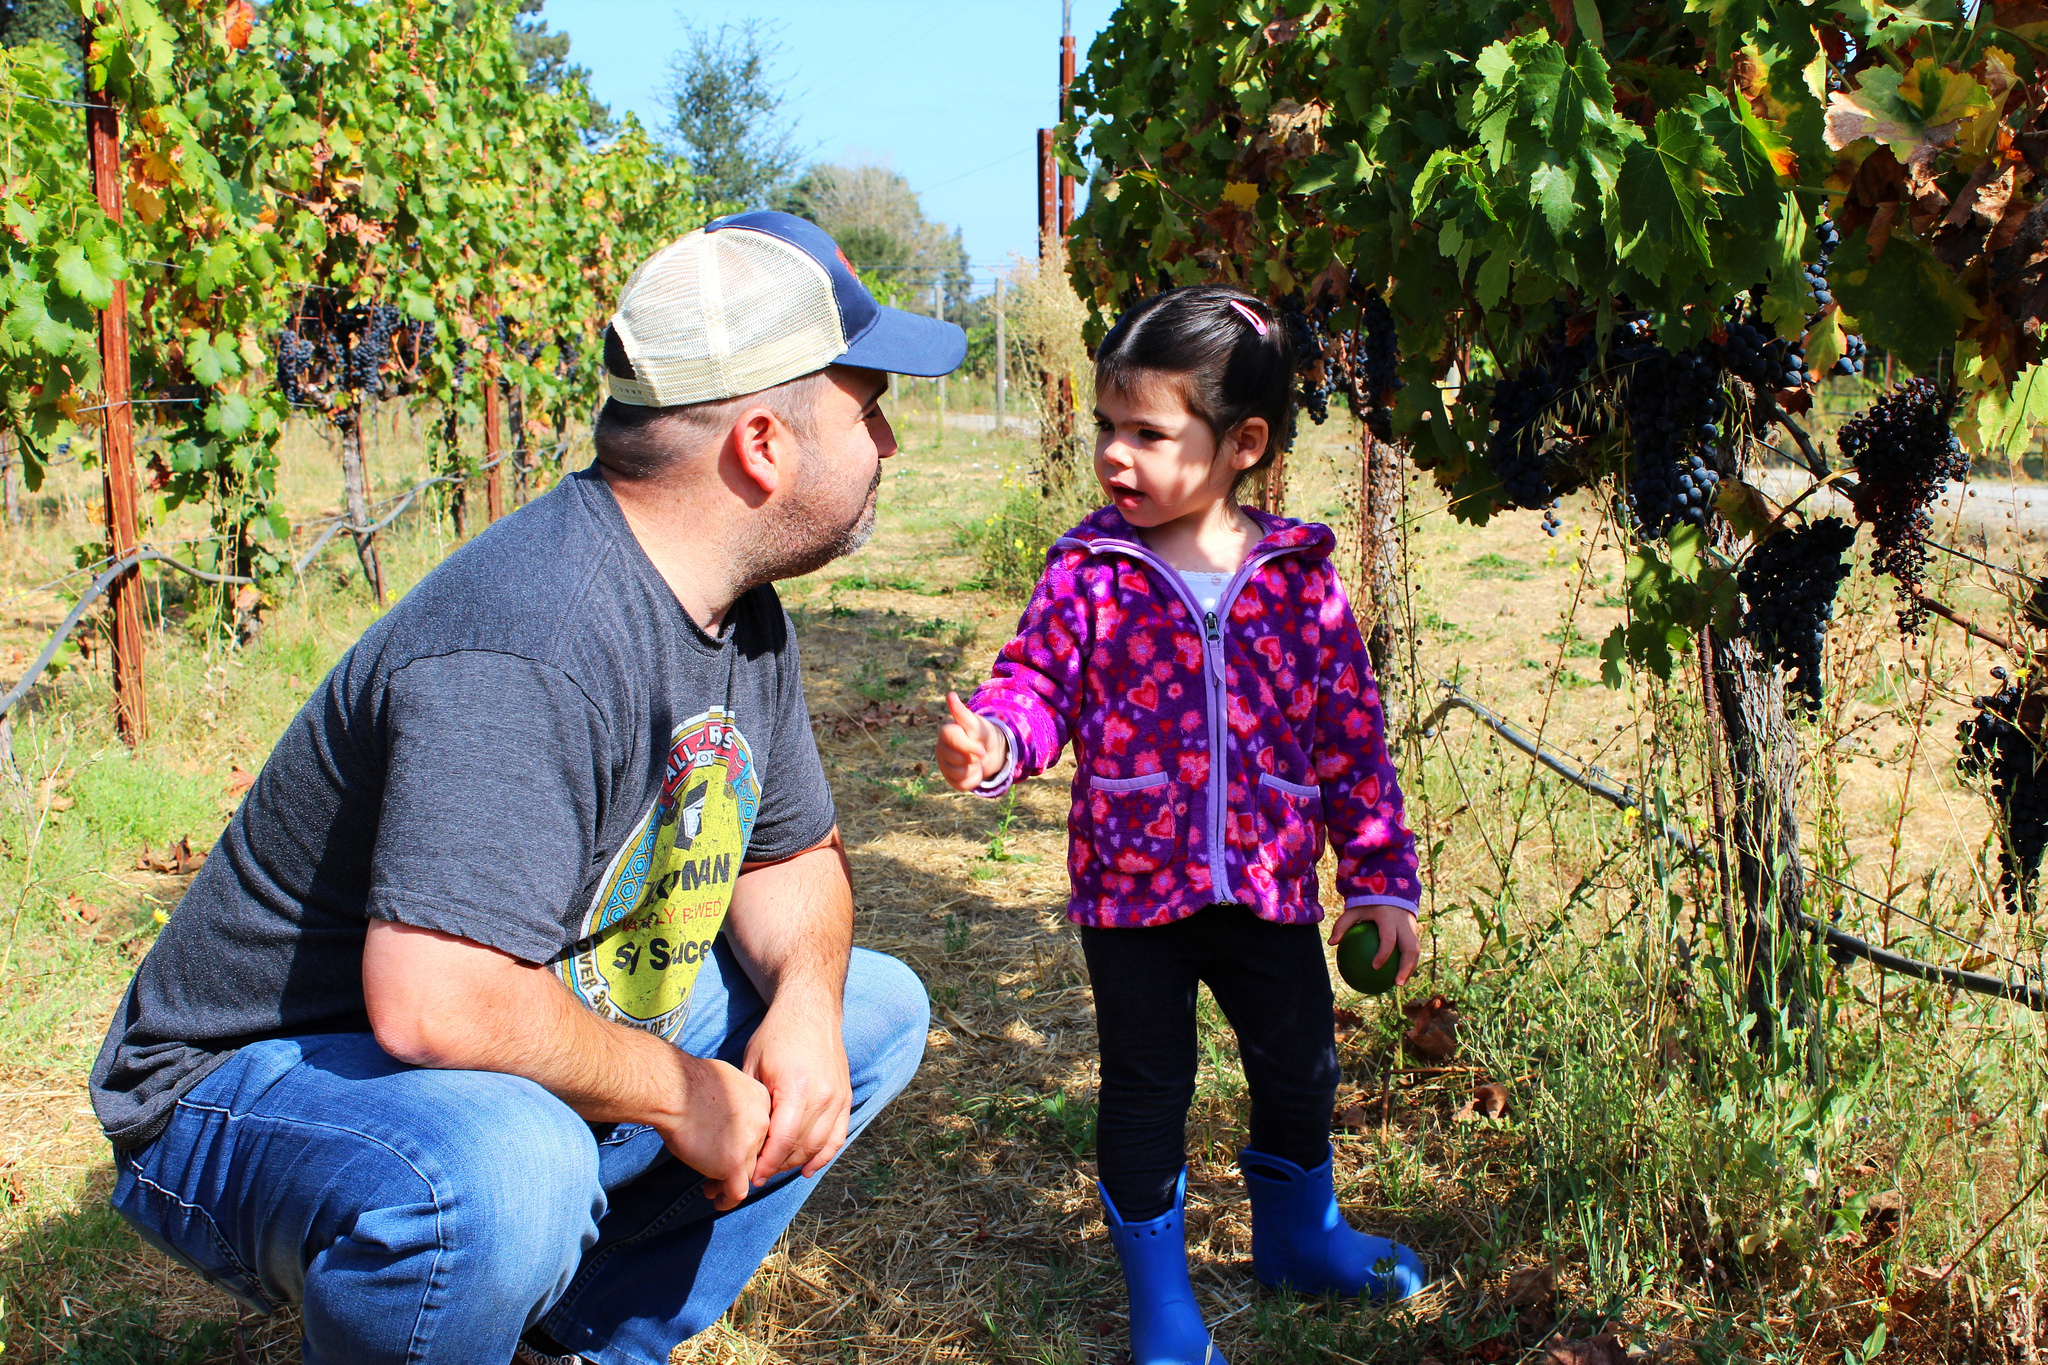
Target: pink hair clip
[{"x": 1258, "y": 323}]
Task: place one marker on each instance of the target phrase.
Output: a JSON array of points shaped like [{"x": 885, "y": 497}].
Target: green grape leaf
[{"x": 79, "y": 279}]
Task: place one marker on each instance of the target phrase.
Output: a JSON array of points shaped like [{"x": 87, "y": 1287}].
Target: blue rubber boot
[
  {"x": 1166, "y": 1326},
  {"x": 1300, "y": 1239}
]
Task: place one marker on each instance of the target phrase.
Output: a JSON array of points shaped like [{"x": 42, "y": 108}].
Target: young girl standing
[{"x": 1203, "y": 661}]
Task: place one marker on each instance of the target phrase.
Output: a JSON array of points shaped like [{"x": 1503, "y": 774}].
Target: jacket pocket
[
  {"x": 1290, "y": 826},
  {"x": 1135, "y": 823}
]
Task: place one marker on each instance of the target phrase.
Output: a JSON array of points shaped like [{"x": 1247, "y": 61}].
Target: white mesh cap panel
[{"x": 717, "y": 315}]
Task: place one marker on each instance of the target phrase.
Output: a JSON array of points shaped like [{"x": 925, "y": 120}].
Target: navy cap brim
[{"x": 907, "y": 343}]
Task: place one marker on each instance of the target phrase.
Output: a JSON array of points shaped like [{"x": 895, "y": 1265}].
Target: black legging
[{"x": 1273, "y": 985}]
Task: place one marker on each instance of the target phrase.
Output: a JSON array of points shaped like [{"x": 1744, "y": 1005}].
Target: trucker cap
[{"x": 754, "y": 300}]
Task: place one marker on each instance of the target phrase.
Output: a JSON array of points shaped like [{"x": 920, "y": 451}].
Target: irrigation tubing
[
  {"x": 151, "y": 555},
  {"x": 1597, "y": 782},
  {"x": 100, "y": 585}
]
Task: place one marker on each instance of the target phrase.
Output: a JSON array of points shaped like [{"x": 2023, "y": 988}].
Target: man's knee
[
  {"x": 887, "y": 1018},
  {"x": 517, "y": 1169}
]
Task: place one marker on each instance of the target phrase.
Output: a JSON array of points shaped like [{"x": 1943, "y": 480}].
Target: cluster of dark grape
[
  {"x": 1525, "y": 405},
  {"x": 1316, "y": 382},
  {"x": 1359, "y": 364},
  {"x": 1674, "y": 408},
  {"x": 1790, "y": 581},
  {"x": 1379, "y": 357},
  {"x": 328, "y": 349},
  {"x": 1903, "y": 453},
  {"x": 295, "y": 359},
  {"x": 1995, "y": 745},
  {"x": 1757, "y": 355},
  {"x": 368, "y": 330},
  {"x": 1851, "y": 359}
]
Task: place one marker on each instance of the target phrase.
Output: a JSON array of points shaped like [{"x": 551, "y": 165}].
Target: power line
[{"x": 1021, "y": 151}]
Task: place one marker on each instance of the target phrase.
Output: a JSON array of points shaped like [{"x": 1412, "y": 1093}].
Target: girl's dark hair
[{"x": 1228, "y": 369}]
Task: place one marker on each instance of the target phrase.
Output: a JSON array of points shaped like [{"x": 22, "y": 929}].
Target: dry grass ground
[{"x": 965, "y": 1227}]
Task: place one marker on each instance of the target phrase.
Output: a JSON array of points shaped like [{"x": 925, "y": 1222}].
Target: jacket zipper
[{"x": 1212, "y": 676}]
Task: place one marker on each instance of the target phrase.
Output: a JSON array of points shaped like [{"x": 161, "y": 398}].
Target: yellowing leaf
[
  {"x": 1242, "y": 193},
  {"x": 145, "y": 203},
  {"x": 1939, "y": 95}
]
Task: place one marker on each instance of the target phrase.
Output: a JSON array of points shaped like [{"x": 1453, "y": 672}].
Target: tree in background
[
  {"x": 24, "y": 21},
  {"x": 726, "y": 119},
  {"x": 876, "y": 218}
]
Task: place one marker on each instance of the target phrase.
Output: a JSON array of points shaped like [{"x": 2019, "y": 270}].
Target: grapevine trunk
[{"x": 358, "y": 498}]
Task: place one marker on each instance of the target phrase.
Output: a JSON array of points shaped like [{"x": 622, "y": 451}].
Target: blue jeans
[{"x": 434, "y": 1216}]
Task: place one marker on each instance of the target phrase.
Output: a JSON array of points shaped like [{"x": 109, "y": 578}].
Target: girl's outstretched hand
[
  {"x": 971, "y": 749},
  {"x": 1397, "y": 934}
]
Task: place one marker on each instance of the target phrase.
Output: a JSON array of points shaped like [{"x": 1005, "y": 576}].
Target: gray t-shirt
[{"x": 538, "y": 750}]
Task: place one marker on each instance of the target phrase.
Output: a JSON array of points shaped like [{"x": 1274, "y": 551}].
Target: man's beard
[{"x": 793, "y": 547}]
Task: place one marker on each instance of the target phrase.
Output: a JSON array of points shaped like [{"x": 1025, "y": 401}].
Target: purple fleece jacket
[{"x": 1213, "y": 754}]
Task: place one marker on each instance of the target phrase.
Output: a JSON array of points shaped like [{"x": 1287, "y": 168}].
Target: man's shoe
[
  {"x": 1300, "y": 1239},
  {"x": 1166, "y": 1326}
]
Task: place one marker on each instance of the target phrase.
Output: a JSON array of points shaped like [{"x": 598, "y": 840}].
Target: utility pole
[
  {"x": 1002, "y": 358},
  {"x": 117, "y": 421},
  {"x": 1066, "y": 86},
  {"x": 939, "y": 312},
  {"x": 1048, "y": 193}
]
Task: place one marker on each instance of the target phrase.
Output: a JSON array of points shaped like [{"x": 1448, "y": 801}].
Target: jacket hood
[{"x": 1308, "y": 538}]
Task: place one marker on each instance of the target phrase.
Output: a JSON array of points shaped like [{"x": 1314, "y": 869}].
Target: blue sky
[{"x": 936, "y": 89}]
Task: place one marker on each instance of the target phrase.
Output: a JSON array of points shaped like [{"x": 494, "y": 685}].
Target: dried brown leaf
[
  {"x": 1605, "y": 1349},
  {"x": 1531, "y": 1286},
  {"x": 1433, "y": 1028}
]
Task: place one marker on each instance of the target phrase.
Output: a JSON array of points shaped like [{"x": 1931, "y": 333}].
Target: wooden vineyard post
[
  {"x": 1273, "y": 487},
  {"x": 117, "y": 421},
  {"x": 1002, "y": 358},
  {"x": 939, "y": 315},
  {"x": 494, "y": 481}
]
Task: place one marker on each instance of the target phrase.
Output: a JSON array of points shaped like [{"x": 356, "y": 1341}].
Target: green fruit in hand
[{"x": 1355, "y": 952}]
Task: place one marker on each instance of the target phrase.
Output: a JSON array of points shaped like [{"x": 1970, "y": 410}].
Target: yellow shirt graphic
[{"x": 656, "y": 914}]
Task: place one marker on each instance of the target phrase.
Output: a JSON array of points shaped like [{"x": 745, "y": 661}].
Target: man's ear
[
  {"x": 1248, "y": 442},
  {"x": 763, "y": 447}
]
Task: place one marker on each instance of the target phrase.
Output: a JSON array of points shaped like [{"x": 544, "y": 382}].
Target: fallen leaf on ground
[
  {"x": 1352, "y": 1117},
  {"x": 1488, "y": 1101},
  {"x": 1531, "y": 1285},
  {"x": 81, "y": 907},
  {"x": 1605, "y": 1349},
  {"x": 1433, "y": 1028},
  {"x": 178, "y": 858},
  {"x": 1347, "y": 1020},
  {"x": 240, "y": 779},
  {"x": 17, "y": 1188}
]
